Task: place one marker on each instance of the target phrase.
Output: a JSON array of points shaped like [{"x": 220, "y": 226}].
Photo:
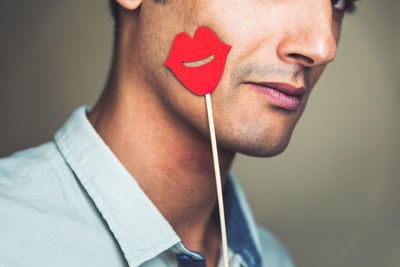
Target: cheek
[
  {"x": 157, "y": 35},
  {"x": 234, "y": 21},
  {"x": 159, "y": 24},
  {"x": 315, "y": 73},
  {"x": 337, "y": 20}
]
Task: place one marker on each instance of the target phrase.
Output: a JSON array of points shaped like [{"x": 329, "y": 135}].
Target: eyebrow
[{"x": 351, "y": 7}]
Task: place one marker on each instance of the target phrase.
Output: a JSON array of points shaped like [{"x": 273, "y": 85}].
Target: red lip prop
[{"x": 203, "y": 79}]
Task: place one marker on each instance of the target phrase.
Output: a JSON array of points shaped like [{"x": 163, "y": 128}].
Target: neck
[{"x": 170, "y": 160}]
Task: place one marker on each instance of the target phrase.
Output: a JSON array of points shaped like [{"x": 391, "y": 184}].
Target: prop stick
[
  {"x": 202, "y": 80},
  {"x": 217, "y": 179}
]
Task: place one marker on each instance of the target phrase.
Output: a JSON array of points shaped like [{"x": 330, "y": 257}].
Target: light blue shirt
[{"x": 70, "y": 202}]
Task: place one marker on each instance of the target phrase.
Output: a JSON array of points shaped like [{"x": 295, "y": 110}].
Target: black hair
[{"x": 114, "y": 6}]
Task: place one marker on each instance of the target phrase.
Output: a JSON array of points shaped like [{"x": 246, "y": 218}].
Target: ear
[{"x": 129, "y": 4}]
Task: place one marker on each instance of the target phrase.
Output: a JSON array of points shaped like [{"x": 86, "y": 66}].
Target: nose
[{"x": 309, "y": 39}]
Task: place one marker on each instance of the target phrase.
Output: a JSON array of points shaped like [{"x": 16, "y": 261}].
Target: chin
[
  {"x": 257, "y": 138},
  {"x": 264, "y": 151},
  {"x": 257, "y": 148}
]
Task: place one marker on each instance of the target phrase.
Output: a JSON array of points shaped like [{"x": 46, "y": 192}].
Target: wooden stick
[{"x": 217, "y": 179}]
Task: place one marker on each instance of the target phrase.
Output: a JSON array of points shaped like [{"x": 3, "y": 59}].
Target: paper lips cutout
[{"x": 205, "y": 43}]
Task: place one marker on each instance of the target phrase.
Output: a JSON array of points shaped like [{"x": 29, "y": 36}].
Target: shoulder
[
  {"x": 272, "y": 251},
  {"x": 32, "y": 175},
  {"x": 41, "y": 204},
  {"x": 36, "y": 163}
]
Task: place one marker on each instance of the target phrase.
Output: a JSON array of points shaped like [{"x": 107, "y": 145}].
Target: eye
[{"x": 339, "y": 4}]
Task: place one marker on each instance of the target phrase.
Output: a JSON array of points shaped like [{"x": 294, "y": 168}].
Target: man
[{"x": 130, "y": 181}]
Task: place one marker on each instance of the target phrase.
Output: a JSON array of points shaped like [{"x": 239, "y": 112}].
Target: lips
[
  {"x": 280, "y": 94},
  {"x": 203, "y": 79}
]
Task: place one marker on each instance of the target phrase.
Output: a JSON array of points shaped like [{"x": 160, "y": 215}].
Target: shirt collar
[{"x": 136, "y": 223}]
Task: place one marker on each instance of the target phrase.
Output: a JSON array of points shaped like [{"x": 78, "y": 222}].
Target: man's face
[{"x": 272, "y": 41}]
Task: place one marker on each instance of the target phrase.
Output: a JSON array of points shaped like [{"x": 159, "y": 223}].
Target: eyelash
[{"x": 348, "y": 6}]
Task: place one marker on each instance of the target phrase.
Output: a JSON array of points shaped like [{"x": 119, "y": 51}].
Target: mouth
[
  {"x": 280, "y": 94},
  {"x": 199, "y": 62}
]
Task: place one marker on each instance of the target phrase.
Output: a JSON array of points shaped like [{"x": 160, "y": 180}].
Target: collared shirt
[{"x": 70, "y": 202}]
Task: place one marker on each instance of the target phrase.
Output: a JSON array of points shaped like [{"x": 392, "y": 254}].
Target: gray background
[{"x": 331, "y": 197}]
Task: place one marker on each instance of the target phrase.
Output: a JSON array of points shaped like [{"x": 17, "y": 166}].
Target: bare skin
[{"x": 159, "y": 130}]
